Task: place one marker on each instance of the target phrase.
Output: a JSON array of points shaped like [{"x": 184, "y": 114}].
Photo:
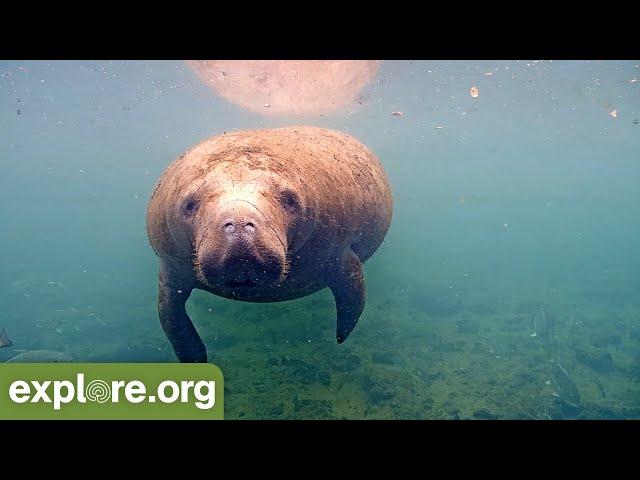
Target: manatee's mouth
[{"x": 236, "y": 284}]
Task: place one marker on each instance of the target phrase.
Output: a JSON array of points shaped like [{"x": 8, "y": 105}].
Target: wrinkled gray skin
[{"x": 267, "y": 216}]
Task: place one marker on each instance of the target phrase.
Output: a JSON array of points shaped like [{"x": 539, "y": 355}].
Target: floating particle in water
[
  {"x": 18, "y": 112},
  {"x": 438, "y": 127},
  {"x": 474, "y": 92},
  {"x": 267, "y": 105},
  {"x": 633, "y": 80},
  {"x": 397, "y": 114},
  {"x": 505, "y": 225},
  {"x": 488, "y": 74},
  {"x": 547, "y": 382},
  {"x": 614, "y": 113},
  {"x": 533, "y": 335}
]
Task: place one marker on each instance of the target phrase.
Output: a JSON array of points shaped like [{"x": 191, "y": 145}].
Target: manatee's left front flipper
[{"x": 346, "y": 281}]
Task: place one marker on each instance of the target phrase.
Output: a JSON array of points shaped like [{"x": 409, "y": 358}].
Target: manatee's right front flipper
[
  {"x": 177, "y": 325},
  {"x": 346, "y": 281}
]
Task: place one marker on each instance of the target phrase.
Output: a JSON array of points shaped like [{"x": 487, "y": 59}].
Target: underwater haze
[{"x": 507, "y": 286}]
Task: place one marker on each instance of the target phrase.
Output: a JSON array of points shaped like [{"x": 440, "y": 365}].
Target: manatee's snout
[
  {"x": 241, "y": 250},
  {"x": 240, "y": 229}
]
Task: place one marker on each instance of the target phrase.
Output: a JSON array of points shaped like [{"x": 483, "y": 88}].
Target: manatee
[
  {"x": 41, "y": 356},
  {"x": 288, "y": 87},
  {"x": 266, "y": 216}
]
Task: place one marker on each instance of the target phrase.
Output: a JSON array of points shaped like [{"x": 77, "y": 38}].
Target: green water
[{"x": 507, "y": 286}]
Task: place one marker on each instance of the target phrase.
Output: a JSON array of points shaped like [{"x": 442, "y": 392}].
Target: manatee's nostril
[
  {"x": 249, "y": 227},
  {"x": 229, "y": 227}
]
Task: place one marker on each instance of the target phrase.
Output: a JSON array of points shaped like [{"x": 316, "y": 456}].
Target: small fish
[
  {"x": 635, "y": 121},
  {"x": 18, "y": 112},
  {"x": 565, "y": 387},
  {"x": 41, "y": 356},
  {"x": 4, "y": 340},
  {"x": 397, "y": 114},
  {"x": 474, "y": 92}
]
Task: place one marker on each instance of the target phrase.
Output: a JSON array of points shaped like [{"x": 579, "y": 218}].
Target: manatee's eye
[
  {"x": 190, "y": 206},
  {"x": 290, "y": 201}
]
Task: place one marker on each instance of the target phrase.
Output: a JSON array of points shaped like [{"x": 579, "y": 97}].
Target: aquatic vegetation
[{"x": 506, "y": 288}]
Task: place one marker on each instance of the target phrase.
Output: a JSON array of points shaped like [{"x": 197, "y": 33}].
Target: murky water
[{"x": 507, "y": 286}]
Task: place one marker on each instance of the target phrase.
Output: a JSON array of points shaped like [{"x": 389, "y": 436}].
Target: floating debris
[
  {"x": 4, "y": 340},
  {"x": 397, "y": 114},
  {"x": 474, "y": 92},
  {"x": 614, "y": 113}
]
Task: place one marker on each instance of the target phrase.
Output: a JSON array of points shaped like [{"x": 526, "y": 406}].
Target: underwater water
[{"x": 507, "y": 286}]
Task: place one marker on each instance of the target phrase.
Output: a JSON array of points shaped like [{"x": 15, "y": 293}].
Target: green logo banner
[{"x": 111, "y": 391}]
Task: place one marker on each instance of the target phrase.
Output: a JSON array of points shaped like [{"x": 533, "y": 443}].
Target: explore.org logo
[{"x": 110, "y": 391}]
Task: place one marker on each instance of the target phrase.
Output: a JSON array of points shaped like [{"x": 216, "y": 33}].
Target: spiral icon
[{"x": 98, "y": 391}]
